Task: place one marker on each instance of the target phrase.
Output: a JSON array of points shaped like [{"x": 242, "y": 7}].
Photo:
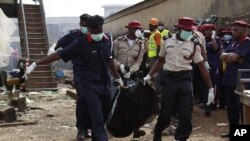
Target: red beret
[{"x": 240, "y": 23}]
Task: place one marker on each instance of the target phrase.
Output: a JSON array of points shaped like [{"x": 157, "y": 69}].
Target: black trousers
[
  {"x": 234, "y": 107},
  {"x": 177, "y": 95}
]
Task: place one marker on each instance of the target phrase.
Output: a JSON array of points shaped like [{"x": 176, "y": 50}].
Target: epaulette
[{"x": 121, "y": 38}]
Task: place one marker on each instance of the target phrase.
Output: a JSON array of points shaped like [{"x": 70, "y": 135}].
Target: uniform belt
[{"x": 179, "y": 74}]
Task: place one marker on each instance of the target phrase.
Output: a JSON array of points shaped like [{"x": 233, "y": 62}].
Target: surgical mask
[
  {"x": 84, "y": 30},
  {"x": 97, "y": 37},
  {"x": 138, "y": 33},
  {"x": 160, "y": 27},
  {"x": 185, "y": 35}
]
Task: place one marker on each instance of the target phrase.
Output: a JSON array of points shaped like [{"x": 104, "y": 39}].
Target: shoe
[
  {"x": 202, "y": 106},
  {"x": 225, "y": 135},
  {"x": 82, "y": 135},
  {"x": 222, "y": 107},
  {"x": 87, "y": 133},
  {"x": 139, "y": 133}
]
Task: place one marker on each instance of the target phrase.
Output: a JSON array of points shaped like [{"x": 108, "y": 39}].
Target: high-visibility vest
[
  {"x": 164, "y": 33},
  {"x": 152, "y": 47}
]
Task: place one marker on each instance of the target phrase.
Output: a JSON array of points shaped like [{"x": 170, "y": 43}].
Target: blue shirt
[
  {"x": 68, "y": 38},
  {"x": 213, "y": 57},
  {"x": 231, "y": 73}
]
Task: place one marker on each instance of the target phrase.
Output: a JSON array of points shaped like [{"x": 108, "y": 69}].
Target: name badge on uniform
[{"x": 94, "y": 51}]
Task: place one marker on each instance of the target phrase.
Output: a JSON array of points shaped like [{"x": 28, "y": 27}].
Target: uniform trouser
[
  {"x": 234, "y": 107},
  {"x": 98, "y": 107},
  {"x": 176, "y": 95},
  {"x": 83, "y": 121}
]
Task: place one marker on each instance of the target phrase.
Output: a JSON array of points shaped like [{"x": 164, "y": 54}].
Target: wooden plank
[
  {"x": 246, "y": 115},
  {"x": 18, "y": 123},
  {"x": 72, "y": 94}
]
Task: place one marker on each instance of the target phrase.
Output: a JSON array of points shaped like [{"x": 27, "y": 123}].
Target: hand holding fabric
[
  {"x": 119, "y": 80},
  {"x": 210, "y": 96},
  {"x": 30, "y": 69},
  {"x": 147, "y": 79},
  {"x": 127, "y": 75},
  {"x": 122, "y": 68}
]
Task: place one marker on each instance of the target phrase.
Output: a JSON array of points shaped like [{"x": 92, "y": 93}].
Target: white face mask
[
  {"x": 97, "y": 37},
  {"x": 138, "y": 33},
  {"x": 185, "y": 35},
  {"x": 84, "y": 30},
  {"x": 160, "y": 27}
]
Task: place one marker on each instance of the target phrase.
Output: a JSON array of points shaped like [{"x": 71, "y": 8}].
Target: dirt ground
[{"x": 54, "y": 114}]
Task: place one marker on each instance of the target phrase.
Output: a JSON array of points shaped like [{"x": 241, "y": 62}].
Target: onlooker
[{"x": 236, "y": 56}]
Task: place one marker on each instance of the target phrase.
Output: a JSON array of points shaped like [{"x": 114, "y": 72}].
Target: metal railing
[
  {"x": 26, "y": 42},
  {"x": 240, "y": 80}
]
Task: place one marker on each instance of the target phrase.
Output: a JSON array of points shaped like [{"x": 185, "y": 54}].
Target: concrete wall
[{"x": 170, "y": 10}]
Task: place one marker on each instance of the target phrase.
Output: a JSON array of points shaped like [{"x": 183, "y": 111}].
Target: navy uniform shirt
[
  {"x": 213, "y": 56},
  {"x": 92, "y": 62},
  {"x": 231, "y": 73},
  {"x": 68, "y": 38}
]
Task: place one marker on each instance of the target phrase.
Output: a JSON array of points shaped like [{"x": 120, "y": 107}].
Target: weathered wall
[{"x": 170, "y": 10}]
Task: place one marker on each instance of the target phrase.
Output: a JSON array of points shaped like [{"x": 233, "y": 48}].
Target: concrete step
[
  {"x": 35, "y": 40},
  {"x": 33, "y": 35},
  {"x": 41, "y": 85},
  {"x": 41, "y": 79},
  {"x": 34, "y": 29},
  {"x": 40, "y": 73}
]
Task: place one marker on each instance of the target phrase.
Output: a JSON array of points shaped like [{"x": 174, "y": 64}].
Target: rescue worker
[
  {"x": 199, "y": 85},
  {"x": 128, "y": 51},
  {"x": 154, "y": 41},
  {"x": 213, "y": 58},
  {"x": 153, "y": 51},
  {"x": 81, "y": 104},
  {"x": 94, "y": 54},
  {"x": 165, "y": 34},
  {"x": 237, "y": 56},
  {"x": 175, "y": 56}
]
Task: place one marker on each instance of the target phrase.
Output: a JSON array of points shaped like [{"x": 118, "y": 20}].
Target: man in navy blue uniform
[
  {"x": 80, "y": 103},
  {"x": 237, "y": 56},
  {"x": 94, "y": 54}
]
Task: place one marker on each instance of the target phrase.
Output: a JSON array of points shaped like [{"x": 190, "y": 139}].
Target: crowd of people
[{"x": 191, "y": 65}]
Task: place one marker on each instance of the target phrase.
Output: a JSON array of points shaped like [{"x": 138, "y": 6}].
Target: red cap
[
  {"x": 185, "y": 23},
  {"x": 134, "y": 24},
  {"x": 209, "y": 26},
  {"x": 240, "y": 23}
]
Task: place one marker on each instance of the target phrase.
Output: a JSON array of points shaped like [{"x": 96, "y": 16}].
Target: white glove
[
  {"x": 207, "y": 65},
  {"x": 127, "y": 75},
  {"x": 213, "y": 34},
  {"x": 30, "y": 69},
  {"x": 147, "y": 65},
  {"x": 210, "y": 96},
  {"x": 51, "y": 49},
  {"x": 146, "y": 79},
  {"x": 119, "y": 81},
  {"x": 122, "y": 68}
]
